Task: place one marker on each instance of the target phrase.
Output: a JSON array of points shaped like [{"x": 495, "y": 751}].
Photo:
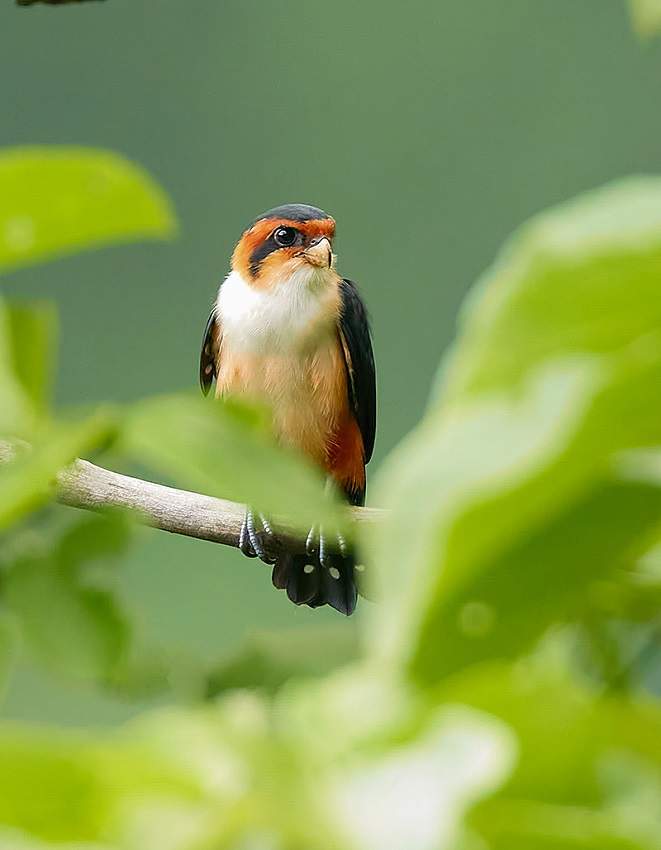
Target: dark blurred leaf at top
[{"x": 50, "y": 2}]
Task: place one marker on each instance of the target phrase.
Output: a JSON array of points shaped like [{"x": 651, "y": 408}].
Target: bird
[{"x": 286, "y": 330}]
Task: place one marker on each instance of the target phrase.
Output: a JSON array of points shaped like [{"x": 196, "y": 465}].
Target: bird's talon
[
  {"x": 258, "y": 542},
  {"x": 324, "y": 555},
  {"x": 252, "y": 534},
  {"x": 311, "y": 542},
  {"x": 266, "y": 526},
  {"x": 245, "y": 544}
]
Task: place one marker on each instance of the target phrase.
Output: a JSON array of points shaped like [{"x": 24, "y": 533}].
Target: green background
[{"x": 428, "y": 129}]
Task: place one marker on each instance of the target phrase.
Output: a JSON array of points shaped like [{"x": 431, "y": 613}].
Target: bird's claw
[
  {"x": 257, "y": 538},
  {"x": 322, "y": 550}
]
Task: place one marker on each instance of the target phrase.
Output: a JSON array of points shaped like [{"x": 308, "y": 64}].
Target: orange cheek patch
[{"x": 272, "y": 268}]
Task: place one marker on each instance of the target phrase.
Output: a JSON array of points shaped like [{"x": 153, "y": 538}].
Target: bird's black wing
[
  {"x": 359, "y": 360},
  {"x": 209, "y": 353}
]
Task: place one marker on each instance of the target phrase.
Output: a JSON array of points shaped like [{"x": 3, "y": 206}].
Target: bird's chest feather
[
  {"x": 288, "y": 318},
  {"x": 280, "y": 346}
]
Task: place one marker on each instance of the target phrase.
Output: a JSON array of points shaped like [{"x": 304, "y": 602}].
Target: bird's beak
[{"x": 319, "y": 254}]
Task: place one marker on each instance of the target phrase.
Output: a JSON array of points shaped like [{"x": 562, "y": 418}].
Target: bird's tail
[{"x": 311, "y": 584}]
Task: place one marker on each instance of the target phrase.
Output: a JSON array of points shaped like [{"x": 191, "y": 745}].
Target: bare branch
[{"x": 92, "y": 488}]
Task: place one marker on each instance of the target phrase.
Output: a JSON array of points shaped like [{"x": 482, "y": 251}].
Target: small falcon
[{"x": 287, "y": 330}]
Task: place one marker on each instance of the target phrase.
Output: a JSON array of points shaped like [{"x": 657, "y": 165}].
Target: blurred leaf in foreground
[
  {"x": 269, "y": 659},
  {"x": 646, "y": 16},
  {"x": 509, "y": 757},
  {"x": 58, "y": 199},
  {"x": 506, "y": 502},
  {"x": 11, "y": 839},
  {"x": 17, "y": 413},
  {"x": 33, "y": 332},
  {"x": 580, "y": 278},
  {"x": 589, "y": 769},
  {"x": 224, "y": 449},
  {"x": 60, "y": 787},
  {"x": 415, "y": 796},
  {"x": 27, "y": 355},
  {"x": 28, "y": 479},
  {"x": 236, "y": 775},
  {"x": 62, "y": 592},
  {"x": 7, "y": 648}
]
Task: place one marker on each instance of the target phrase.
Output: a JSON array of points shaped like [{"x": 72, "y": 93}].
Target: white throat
[{"x": 281, "y": 319}]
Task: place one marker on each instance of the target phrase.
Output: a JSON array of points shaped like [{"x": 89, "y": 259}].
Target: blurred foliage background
[{"x": 520, "y": 569}]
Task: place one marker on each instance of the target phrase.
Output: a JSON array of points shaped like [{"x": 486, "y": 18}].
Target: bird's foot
[
  {"x": 322, "y": 549},
  {"x": 257, "y": 538}
]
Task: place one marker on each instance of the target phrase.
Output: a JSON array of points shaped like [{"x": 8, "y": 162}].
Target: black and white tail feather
[{"x": 310, "y": 584}]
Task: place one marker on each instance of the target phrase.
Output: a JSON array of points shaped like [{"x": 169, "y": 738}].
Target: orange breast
[{"x": 307, "y": 393}]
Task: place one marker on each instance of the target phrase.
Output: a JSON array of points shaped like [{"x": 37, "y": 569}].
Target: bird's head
[{"x": 290, "y": 241}]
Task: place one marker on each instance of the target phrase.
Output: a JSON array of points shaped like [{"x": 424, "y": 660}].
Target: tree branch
[{"x": 92, "y": 488}]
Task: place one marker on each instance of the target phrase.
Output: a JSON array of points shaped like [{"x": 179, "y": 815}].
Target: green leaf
[
  {"x": 505, "y": 512},
  {"x": 522, "y": 824},
  {"x": 414, "y": 795},
  {"x": 646, "y": 16},
  {"x": 54, "y": 200},
  {"x": 27, "y": 342},
  {"x": 589, "y": 768},
  {"x": 62, "y": 593},
  {"x": 11, "y": 839},
  {"x": 269, "y": 659},
  {"x": 7, "y": 648},
  {"x": 64, "y": 807},
  {"x": 33, "y": 334},
  {"x": 27, "y": 481},
  {"x": 17, "y": 413},
  {"x": 224, "y": 449},
  {"x": 508, "y": 502},
  {"x": 58, "y": 787},
  {"x": 580, "y": 278}
]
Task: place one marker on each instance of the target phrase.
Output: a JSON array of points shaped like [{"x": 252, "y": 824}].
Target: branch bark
[{"x": 89, "y": 487}]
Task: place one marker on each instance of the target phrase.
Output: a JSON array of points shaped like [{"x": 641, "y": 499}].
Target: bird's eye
[{"x": 285, "y": 236}]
